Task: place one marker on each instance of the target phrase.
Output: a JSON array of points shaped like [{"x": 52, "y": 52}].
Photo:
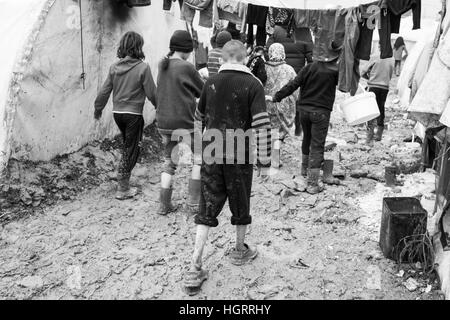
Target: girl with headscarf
[{"x": 282, "y": 114}]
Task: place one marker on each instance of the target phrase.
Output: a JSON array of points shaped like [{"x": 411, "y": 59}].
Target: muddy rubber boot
[
  {"x": 124, "y": 191},
  {"x": 313, "y": 182},
  {"x": 370, "y": 133},
  {"x": 165, "y": 199},
  {"x": 379, "y": 134},
  {"x": 194, "y": 196},
  {"x": 305, "y": 162},
  {"x": 328, "y": 177}
]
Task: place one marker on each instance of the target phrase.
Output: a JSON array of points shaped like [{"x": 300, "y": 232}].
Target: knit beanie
[
  {"x": 181, "y": 41},
  {"x": 222, "y": 38}
]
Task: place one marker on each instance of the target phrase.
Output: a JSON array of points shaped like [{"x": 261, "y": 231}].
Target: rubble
[
  {"x": 411, "y": 284},
  {"x": 28, "y": 186}
]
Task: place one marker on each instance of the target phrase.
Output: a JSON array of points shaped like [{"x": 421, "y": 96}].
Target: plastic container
[
  {"x": 360, "y": 108},
  {"x": 408, "y": 158},
  {"x": 401, "y": 217}
]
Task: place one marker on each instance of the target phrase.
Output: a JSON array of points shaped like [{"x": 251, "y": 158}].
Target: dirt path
[{"x": 311, "y": 247}]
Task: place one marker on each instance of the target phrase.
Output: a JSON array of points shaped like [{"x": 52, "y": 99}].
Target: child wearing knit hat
[
  {"x": 215, "y": 56},
  {"x": 179, "y": 85}
]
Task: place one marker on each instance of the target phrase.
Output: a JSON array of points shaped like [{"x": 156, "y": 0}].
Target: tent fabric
[
  {"x": 18, "y": 20},
  {"x": 414, "y": 70},
  {"x": 44, "y": 109},
  {"x": 432, "y": 96}
]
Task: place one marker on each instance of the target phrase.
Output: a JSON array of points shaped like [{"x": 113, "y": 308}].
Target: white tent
[{"x": 44, "y": 109}]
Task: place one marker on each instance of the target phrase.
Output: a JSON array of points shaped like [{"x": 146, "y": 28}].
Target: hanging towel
[{"x": 349, "y": 65}]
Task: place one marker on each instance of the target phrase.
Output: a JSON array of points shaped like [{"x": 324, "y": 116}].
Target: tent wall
[
  {"x": 19, "y": 20},
  {"x": 53, "y": 112}
]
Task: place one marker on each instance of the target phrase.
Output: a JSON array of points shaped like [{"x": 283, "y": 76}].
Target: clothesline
[{"x": 306, "y": 4}]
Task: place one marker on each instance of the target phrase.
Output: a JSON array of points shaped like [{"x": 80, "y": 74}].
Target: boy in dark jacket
[
  {"x": 131, "y": 81},
  {"x": 232, "y": 103},
  {"x": 317, "y": 83}
]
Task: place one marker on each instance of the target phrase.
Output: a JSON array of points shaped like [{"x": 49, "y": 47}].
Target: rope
[{"x": 83, "y": 74}]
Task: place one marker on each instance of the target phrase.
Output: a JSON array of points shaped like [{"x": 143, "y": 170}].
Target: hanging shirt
[
  {"x": 257, "y": 15},
  {"x": 364, "y": 45},
  {"x": 398, "y": 7}
]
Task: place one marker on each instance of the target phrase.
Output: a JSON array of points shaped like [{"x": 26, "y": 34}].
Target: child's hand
[{"x": 269, "y": 98}]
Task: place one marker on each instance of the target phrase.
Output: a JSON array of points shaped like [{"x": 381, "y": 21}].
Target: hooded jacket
[
  {"x": 131, "y": 81},
  {"x": 297, "y": 53},
  {"x": 379, "y": 72}
]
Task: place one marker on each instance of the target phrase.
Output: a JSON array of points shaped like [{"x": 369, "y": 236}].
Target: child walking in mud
[
  {"x": 317, "y": 82},
  {"x": 232, "y": 101},
  {"x": 179, "y": 87},
  {"x": 130, "y": 80}
]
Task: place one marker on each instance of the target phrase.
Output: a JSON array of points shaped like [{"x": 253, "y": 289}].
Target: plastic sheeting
[
  {"x": 17, "y": 20},
  {"x": 434, "y": 93},
  {"x": 412, "y": 65},
  {"x": 53, "y": 113}
]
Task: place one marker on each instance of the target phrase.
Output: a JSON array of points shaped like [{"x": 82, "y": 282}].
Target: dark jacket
[
  {"x": 234, "y": 99},
  {"x": 131, "y": 81},
  {"x": 298, "y": 54},
  {"x": 317, "y": 82},
  {"x": 257, "y": 66},
  {"x": 178, "y": 88}
]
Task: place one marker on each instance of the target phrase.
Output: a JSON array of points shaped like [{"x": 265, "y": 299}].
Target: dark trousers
[
  {"x": 132, "y": 127},
  {"x": 381, "y": 95},
  {"x": 315, "y": 129},
  {"x": 261, "y": 36},
  {"x": 298, "y": 124},
  {"x": 219, "y": 183},
  {"x": 398, "y": 67}
]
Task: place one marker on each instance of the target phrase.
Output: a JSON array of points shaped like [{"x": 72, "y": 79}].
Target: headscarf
[{"x": 276, "y": 53}]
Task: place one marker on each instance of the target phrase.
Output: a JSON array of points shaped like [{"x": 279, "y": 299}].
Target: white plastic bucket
[{"x": 360, "y": 108}]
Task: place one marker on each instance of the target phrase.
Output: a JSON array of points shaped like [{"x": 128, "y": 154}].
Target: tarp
[
  {"x": 17, "y": 20},
  {"x": 44, "y": 109}
]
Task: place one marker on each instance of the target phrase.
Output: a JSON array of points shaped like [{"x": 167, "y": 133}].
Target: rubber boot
[
  {"x": 124, "y": 191},
  {"x": 313, "y": 182},
  {"x": 165, "y": 199},
  {"x": 194, "y": 196},
  {"x": 328, "y": 177},
  {"x": 379, "y": 134},
  {"x": 305, "y": 162},
  {"x": 370, "y": 133}
]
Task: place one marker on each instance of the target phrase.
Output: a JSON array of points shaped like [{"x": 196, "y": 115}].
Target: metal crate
[{"x": 401, "y": 217}]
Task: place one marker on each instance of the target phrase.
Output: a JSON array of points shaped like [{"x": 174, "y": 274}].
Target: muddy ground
[{"x": 64, "y": 236}]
